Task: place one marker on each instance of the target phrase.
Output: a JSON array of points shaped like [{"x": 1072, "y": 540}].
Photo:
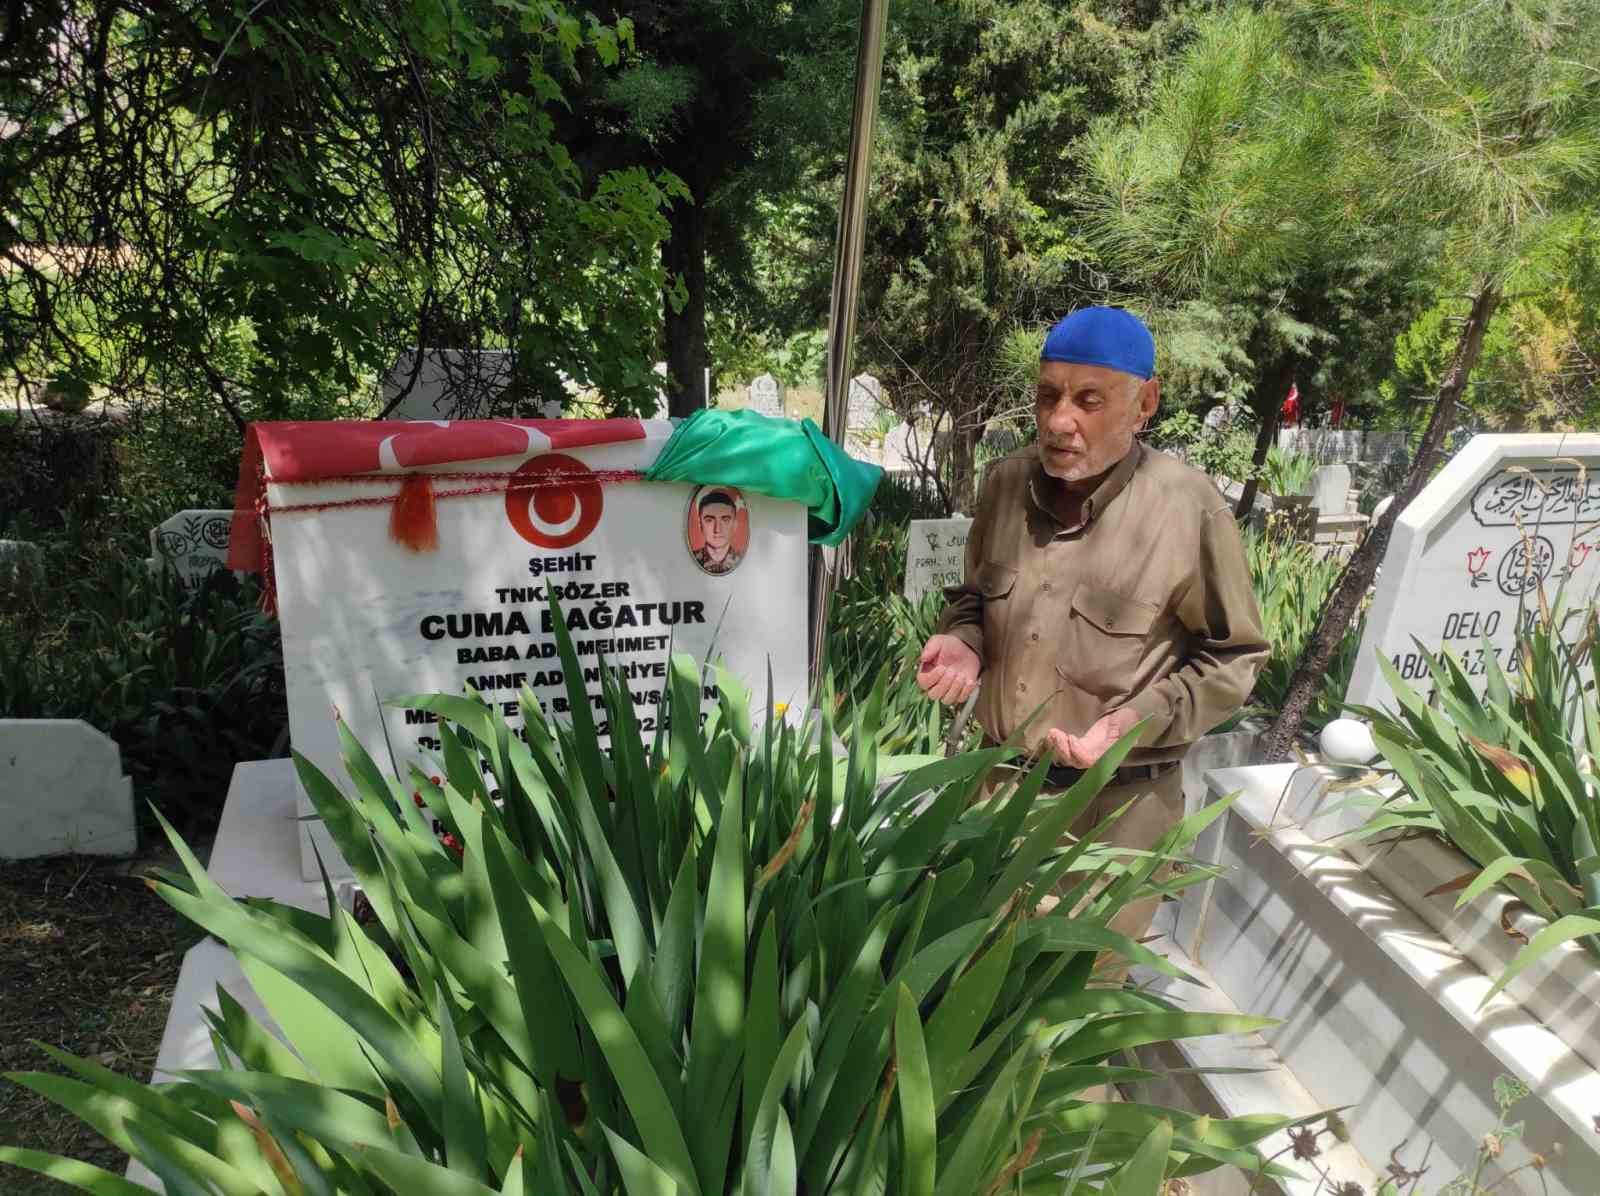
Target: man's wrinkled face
[
  {"x": 716, "y": 525},
  {"x": 1087, "y": 416}
]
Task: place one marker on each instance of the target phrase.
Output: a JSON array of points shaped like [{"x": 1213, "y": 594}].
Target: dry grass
[{"x": 88, "y": 961}]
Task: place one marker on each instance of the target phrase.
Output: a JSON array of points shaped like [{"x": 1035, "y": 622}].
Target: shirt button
[
  {"x": 1111, "y": 620},
  {"x": 1046, "y": 586},
  {"x": 1022, "y": 687},
  {"x": 1034, "y": 636}
]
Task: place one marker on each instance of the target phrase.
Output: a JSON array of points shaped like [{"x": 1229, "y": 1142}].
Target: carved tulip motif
[{"x": 1477, "y": 559}]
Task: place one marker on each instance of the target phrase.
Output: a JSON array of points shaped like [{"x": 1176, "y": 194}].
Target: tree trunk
[
  {"x": 963, "y": 469},
  {"x": 683, "y": 254},
  {"x": 1346, "y": 599},
  {"x": 1270, "y": 385}
]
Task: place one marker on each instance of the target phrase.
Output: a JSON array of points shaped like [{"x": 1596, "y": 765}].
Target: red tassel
[{"x": 413, "y": 521}]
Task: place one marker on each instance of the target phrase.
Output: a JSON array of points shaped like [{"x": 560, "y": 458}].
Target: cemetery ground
[{"x": 88, "y": 961}]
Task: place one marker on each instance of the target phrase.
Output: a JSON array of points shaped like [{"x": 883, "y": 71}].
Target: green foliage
[
  {"x": 55, "y": 473},
  {"x": 1482, "y": 122},
  {"x": 746, "y": 104},
  {"x": 968, "y": 255},
  {"x": 874, "y": 633},
  {"x": 1292, "y": 582},
  {"x": 723, "y": 962},
  {"x": 1503, "y": 767},
  {"x": 1541, "y": 358},
  {"x": 188, "y": 682},
  {"x": 1286, "y": 472},
  {"x": 1219, "y": 184},
  {"x": 1220, "y": 452},
  {"x": 258, "y": 207}
]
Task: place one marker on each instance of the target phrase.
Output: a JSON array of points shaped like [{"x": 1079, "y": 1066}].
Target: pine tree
[
  {"x": 1229, "y": 196},
  {"x": 1482, "y": 120}
]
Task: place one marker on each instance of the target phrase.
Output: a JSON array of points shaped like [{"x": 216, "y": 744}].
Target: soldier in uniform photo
[{"x": 716, "y": 516}]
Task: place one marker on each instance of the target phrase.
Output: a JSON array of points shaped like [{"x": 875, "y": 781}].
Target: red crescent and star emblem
[{"x": 553, "y": 515}]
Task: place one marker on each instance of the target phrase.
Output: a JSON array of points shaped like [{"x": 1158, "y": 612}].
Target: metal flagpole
[{"x": 827, "y": 563}]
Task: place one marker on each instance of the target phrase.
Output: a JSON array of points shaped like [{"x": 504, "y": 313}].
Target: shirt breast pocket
[
  {"x": 995, "y": 583},
  {"x": 1107, "y": 634}
]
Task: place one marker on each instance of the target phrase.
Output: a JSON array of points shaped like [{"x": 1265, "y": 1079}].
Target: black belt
[{"x": 1061, "y": 776}]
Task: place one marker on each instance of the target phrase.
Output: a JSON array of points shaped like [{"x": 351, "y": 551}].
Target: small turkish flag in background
[{"x": 1290, "y": 415}]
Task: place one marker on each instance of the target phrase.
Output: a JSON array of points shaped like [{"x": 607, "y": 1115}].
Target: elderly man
[{"x": 1104, "y": 581}]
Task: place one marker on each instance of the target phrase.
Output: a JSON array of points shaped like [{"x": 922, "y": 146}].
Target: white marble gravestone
[
  {"x": 1469, "y": 554},
  {"x": 366, "y": 619},
  {"x": 194, "y": 544},
  {"x": 453, "y": 384},
  {"x": 766, "y": 396},
  {"x": 62, "y": 791},
  {"x": 935, "y": 555},
  {"x": 864, "y": 403},
  {"x": 1330, "y": 489}
]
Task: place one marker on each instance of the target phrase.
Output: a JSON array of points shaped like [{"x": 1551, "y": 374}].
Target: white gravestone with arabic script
[
  {"x": 766, "y": 396},
  {"x": 193, "y": 544},
  {"x": 1509, "y": 515},
  {"x": 935, "y": 555}
]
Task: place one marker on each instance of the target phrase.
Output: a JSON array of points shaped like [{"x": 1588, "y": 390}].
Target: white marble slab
[
  {"x": 1378, "y": 1012},
  {"x": 62, "y": 791}
]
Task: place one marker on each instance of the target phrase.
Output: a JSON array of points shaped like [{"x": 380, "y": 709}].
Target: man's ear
[{"x": 1149, "y": 398}]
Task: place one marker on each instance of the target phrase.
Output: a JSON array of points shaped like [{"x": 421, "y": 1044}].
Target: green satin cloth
[{"x": 781, "y": 458}]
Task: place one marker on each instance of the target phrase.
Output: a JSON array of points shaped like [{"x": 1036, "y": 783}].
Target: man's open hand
[
  {"x": 1082, "y": 751},
  {"x": 948, "y": 670}
]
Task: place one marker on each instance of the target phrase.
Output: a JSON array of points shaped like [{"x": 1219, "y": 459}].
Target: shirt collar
[{"x": 1113, "y": 484}]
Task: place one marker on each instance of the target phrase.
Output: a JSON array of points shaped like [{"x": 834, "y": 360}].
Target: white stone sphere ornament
[{"x": 1348, "y": 741}]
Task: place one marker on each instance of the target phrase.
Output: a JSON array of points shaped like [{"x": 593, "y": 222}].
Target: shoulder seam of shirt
[{"x": 1203, "y": 497}]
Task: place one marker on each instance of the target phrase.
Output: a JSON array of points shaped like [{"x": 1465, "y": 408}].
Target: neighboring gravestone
[
  {"x": 194, "y": 544},
  {"x": 766, "y": 396},
  {"x": 453, "y": 384},
  {"x": 1327, "y": 446},
  {"x": 62, "y": 791},
  {"x": 18, "y": 558},
  {"x": 1468, "y": 556},
  {"x": 935, "y": 555},
  {"x": 641, "y": 569},
  {"x": 1330, "y": 489},
  {"x": 865, "y": 401}
]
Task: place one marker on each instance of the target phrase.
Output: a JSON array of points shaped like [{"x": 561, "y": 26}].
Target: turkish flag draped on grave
[
  {"x": 394, "y": 455},
  {"x": 407, "y": 464}
]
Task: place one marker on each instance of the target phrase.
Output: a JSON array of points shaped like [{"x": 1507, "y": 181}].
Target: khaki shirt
[{"x": 1145, "y": 602}]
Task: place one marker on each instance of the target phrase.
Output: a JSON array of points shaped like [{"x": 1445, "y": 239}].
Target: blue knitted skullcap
[{"x": 1107, "y": 336}]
